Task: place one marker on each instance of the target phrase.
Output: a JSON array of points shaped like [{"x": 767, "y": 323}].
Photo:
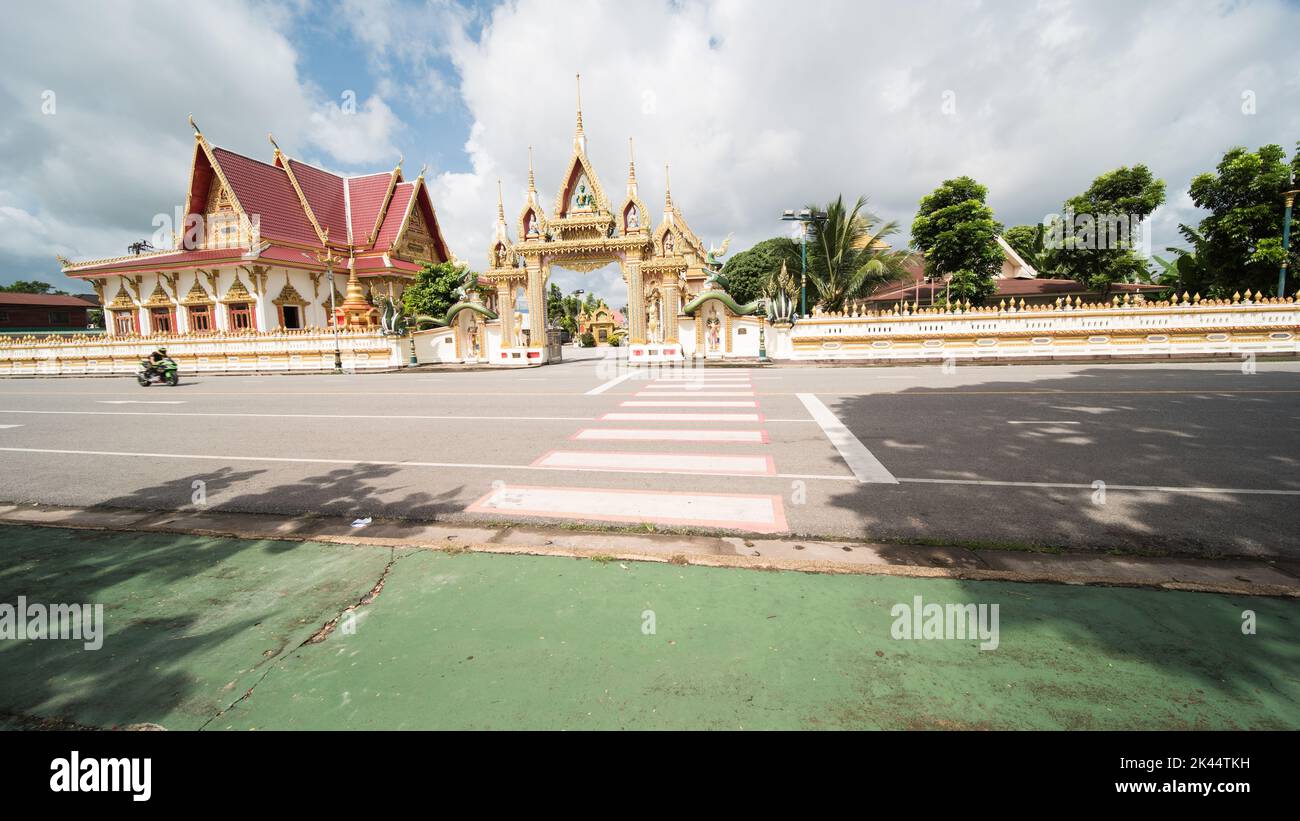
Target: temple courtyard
[{"x": 1194, "y": 459}]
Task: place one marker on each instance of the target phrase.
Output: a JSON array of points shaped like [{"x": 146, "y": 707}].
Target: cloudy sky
[{"x": 758, "y": 106}]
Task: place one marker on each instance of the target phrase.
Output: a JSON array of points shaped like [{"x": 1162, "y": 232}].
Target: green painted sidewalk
[{"x": 496, "y": 641}]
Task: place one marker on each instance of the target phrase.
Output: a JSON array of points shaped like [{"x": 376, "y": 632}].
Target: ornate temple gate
[{"x": 663, "y": 267}]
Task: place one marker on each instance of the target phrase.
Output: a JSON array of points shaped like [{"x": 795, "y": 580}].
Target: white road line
[
  {"x": 1109, "y": 487},
  {"x": 865, "y": 466},
  {"x": 10, "y": 426},
  {"x": 1040, "y": 422},
  {"x": 618, "y": 416},
  {"x": 695, "y": 386},
  {"x": 685, "y": 403},
  {"x": 655, "y": 462},
  {"x": 752, "y": 437},
  {"x": 611, "y": 383},
  {"x": 475, "y": 418},
  {"x": 662, "y": 395},
  {"x": 761, "y": 514},
  {"x": 140, "y": 401}
]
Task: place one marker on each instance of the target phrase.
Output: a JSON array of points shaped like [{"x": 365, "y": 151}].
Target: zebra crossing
[{"x": 661, "y": 416}]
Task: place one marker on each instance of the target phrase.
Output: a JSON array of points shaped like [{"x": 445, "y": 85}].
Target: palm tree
[{"x": 848, "y": 258}]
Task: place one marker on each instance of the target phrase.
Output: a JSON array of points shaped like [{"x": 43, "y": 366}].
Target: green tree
[
  {"x": 750, "y": 273},
  {"x": 956, "y": 231},
  {"x": 436, "y": 288},
  {"x": 1238, "y": 246},
  {"x": 555, "y": 314},
  {"x": 25, "y": 286},
  {"x": 848, "y": 257},
  {"x": 1100, "y": 232}
]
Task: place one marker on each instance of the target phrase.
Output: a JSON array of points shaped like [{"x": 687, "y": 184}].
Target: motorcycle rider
[{"x": 155, "y": 362}]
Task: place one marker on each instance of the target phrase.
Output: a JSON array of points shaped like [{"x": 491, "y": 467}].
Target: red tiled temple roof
[
  {"x": 347, "y": 209},
  {"x": 396, "y": 214},
  {"x": 324, "y": 193},
  {"x": 265, "y": 190},
  {"x": 367, "y": 195}
]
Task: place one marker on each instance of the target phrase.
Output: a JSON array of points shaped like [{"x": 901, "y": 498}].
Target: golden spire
[
  {"x": 631, "y": 162},
  {"x": 501, "y": 208},
  {"x": 579, "y": 80},
  {"x": 579, "y": 138},
  {"x": 532, "y": 185},
  {"x": 668, "y": 190}
]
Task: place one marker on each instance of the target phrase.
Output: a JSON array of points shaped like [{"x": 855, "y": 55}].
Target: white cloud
[
  {"x": 355, "y": 134},
  {"x": 116, "y": 150},
  {"x": 791, "y": 106}
]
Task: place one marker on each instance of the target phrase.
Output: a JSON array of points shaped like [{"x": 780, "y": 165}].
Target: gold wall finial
[
  {"x": 274, "y": 144},
  {"x": 400, "y": 159},
  {"x": 194, "y": 126},
  {"x": 423, "y": 168}
]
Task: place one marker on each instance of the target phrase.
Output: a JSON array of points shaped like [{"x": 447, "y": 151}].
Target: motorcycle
[{"x": 164, "y": 373}]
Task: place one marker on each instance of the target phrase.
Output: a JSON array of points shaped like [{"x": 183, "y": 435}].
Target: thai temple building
[{"x": 261, "y": 244}]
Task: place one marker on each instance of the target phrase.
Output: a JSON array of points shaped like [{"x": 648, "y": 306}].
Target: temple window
[
  {"x": 290, "y": 317},
  {"x": 241, "y": 316},
  {"x": 124, "y": 322},
  {"x": 200, "y": 318},
  {"x": 160, "y": 320}
]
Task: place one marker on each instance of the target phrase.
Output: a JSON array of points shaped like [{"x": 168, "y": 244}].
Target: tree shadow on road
[{"x": 1149, "y": 653}]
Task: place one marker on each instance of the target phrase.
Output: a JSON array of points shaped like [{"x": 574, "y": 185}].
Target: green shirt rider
[{"x": 156, "y": 360}]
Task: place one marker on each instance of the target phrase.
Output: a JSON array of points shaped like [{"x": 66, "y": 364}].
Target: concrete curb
[{"x": 1237, "y": 576}]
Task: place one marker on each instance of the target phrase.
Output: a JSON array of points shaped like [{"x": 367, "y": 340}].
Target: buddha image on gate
[{"x": 583, "y": 199}]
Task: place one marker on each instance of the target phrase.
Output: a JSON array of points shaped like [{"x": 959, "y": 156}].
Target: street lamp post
[
  {"x": 805, "y": 216},
  {"x": 329, "y": 260},
  {"x": 1288, "y": 197}
]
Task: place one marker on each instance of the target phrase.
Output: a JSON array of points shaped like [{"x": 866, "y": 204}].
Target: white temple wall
[{"x": 1047, "y": 332}]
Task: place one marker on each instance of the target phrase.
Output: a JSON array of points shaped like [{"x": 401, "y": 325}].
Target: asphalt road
[{"x": 1198, "y": 458}]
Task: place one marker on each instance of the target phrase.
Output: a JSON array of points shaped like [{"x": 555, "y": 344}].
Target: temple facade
[{"x": 265, "y": 247}]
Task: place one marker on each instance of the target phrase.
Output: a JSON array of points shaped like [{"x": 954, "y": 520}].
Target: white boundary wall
[
  {"x": 281, "y": 351},
  {"x": 1046, "y": 332}
]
